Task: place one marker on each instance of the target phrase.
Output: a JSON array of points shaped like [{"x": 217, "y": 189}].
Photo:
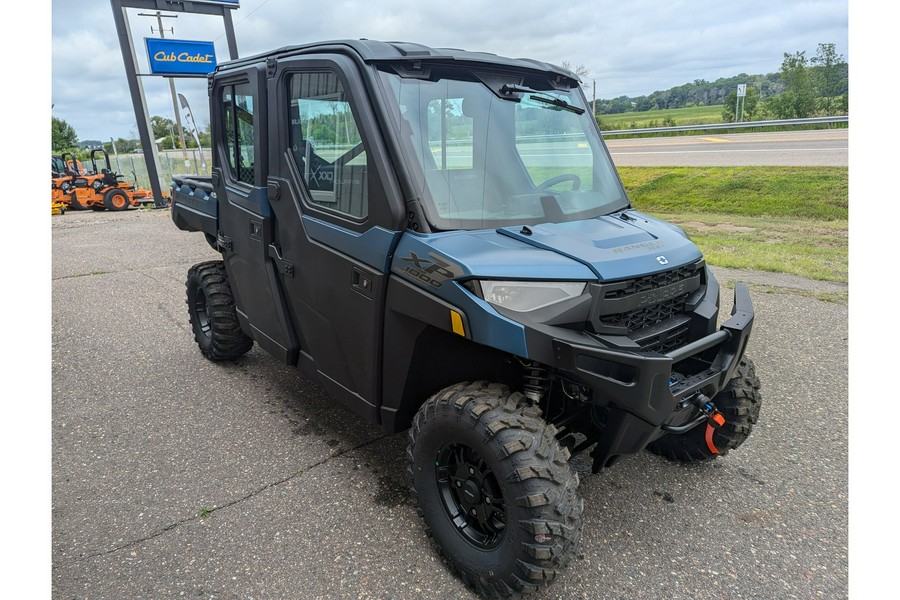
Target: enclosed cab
[{"x": 440, "y": 239}]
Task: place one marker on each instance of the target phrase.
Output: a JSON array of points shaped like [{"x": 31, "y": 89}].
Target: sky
[{"x": 629, "y": 48}]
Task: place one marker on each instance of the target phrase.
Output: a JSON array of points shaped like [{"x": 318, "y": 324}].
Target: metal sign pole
[
  {"x": 137, "y": 98},
  {"x": 120, "y": 17},
  {"x": 229, "y": 34}
]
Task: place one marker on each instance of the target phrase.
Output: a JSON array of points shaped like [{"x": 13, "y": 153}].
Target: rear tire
[
  {"x": 739, "y": 402},
  {"x": 495, "y": 488},
  {"x": 116, "y": 199},
  {"x": 213, "y": 316},
  {"x": 76, "y": 204}
]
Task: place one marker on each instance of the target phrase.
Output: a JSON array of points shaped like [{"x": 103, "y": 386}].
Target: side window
[
  {"x": 237, "y": 102},
  {"x": 326, "y": 144}
]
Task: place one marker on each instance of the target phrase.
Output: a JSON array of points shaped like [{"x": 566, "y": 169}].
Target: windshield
[{"x": 482, "y": 157}]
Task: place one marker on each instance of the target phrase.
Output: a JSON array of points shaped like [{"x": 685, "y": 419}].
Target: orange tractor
[
  {"x": 63, "y": 175},
  {"x": 103, "y": 188}
]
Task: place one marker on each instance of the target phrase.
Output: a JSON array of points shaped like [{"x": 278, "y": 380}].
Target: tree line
[
  {"x": 803, "y": 87},
  {"x": 65, "y": 139}
]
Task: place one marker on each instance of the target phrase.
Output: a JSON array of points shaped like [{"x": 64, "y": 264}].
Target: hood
[
  {"x": 606, "y": 249},
  {"x": 613, "y": 247}
]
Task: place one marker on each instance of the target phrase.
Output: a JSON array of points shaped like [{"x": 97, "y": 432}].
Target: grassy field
[
  {"x": 697, "y": 115},
  {"x": 779, "y": 219}
]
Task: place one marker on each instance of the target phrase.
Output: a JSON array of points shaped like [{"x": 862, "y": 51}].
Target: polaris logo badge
[{"x": 662, "y": 260}]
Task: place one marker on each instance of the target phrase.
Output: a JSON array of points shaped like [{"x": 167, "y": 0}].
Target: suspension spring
[{"x": 535, "y": 382}]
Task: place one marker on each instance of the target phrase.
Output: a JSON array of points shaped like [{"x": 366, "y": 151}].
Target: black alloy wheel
[
  {"x": 471, "y": 495},
  {"x": 495, "y": 488}
]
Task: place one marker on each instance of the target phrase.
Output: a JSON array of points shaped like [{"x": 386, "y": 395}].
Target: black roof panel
[{"x": 373, "y": 51}]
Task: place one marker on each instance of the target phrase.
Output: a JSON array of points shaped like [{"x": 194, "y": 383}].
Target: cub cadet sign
[{"x": 181, "y": 57}]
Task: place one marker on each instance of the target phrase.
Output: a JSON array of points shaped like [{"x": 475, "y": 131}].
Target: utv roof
[{"x": 373, "y": 51}]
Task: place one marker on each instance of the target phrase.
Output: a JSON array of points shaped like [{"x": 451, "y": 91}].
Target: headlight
[{"x": 525, "y": 296}]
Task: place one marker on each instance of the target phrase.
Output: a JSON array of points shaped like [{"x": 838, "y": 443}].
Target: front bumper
[{"x": 642, "y": 391}]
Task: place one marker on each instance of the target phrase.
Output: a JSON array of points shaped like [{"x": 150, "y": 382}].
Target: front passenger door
[{"x": 335, "y": 225}]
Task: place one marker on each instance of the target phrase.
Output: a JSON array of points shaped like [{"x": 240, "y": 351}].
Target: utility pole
[
  {"x": 162, "y": 35},
  {"x": 116, "y": 152},
  {"x": 594, "y": 101}
]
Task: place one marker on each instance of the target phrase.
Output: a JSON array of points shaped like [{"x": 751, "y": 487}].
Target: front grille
[
  {"x": 651, "y": 282},
  {"x": 645, "y": 317},
  {"x": 651, "y": 309},
  {"x": 665, "y": 337}
]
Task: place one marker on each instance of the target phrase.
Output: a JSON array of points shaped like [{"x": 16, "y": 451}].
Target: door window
[
  {"x": 239, "y": 127},
  {"x": 326, "y": 144}
]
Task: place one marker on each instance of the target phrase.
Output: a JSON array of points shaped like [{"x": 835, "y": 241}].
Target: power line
[{"x": 246, "y": 17}]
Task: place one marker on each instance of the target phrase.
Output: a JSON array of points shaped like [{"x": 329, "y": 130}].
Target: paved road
[
  {"x": 826, "y": 147},
  {"x": 176, "y": 477}
]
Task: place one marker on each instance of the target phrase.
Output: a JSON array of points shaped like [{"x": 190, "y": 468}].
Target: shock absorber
[{"x": 536, "y": 381}]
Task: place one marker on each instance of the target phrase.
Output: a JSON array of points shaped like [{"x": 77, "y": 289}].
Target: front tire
[
  {"x": 495, "y": 488},
  {"x": 739, "y": 402},
  {"x": 213, "y": 315}
]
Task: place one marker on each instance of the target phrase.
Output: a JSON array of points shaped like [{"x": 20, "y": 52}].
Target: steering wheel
[{"x": 575, "y": 179}]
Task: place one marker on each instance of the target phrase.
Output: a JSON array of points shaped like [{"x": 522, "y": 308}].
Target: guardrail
[{"x": 744, "y": 125}]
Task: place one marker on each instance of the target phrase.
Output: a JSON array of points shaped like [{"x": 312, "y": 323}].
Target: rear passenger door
[
  {"x": 334, "y": 198},
  {"x": 245, "y": 217}
]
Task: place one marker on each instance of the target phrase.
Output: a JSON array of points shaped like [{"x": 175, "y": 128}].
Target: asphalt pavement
[
  {"x": 174, "y": 477},
  {"x": 816, "y": 148}
]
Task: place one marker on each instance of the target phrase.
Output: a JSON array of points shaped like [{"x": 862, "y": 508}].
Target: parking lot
[{"x": 177, "y": 477}]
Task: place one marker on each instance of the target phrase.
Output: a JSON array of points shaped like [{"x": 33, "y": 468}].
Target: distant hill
[{"x": 698, "y": 93}]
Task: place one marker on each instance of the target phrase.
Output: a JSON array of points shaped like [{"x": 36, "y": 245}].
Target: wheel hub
[{"x": 471, "y": 495}]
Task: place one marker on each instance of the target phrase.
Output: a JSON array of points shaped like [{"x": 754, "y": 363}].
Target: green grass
[
  {"x": 818, "y": 193},
  {"x": 696, "y": 115},
  {"x": 778, "y": 219}
]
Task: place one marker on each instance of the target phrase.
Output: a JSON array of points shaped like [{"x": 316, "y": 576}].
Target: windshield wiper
[
  {"x": 510, "y": 90},
  {"x": 558, "y": 103}
]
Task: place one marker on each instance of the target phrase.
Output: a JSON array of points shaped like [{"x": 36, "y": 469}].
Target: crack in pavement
[{"x": 206, "y": 512}]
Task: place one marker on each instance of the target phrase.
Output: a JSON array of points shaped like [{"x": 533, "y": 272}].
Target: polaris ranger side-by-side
[{"x": 440, "y": 239}]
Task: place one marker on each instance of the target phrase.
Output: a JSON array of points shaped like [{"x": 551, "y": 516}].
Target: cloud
[{"x": 630, "y": 48}]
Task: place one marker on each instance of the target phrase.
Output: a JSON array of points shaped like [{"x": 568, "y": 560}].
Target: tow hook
[
  {"x": 714, "y": 419},
  {"x": 708, "y": 413}
]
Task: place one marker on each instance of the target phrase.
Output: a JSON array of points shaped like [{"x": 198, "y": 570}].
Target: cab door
[
  {"x": 245, "y": 217},
  {"x": 338, "y": 219}
]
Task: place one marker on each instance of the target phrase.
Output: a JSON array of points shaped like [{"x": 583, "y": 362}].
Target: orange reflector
[{"x": 457, "y": 323}]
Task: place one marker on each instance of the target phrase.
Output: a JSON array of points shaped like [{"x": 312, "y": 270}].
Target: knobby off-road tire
[
  {"x": 739, "y": 402},
  {"x": 213, "y": 315},
  {"x": 495, "y": 488}
]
